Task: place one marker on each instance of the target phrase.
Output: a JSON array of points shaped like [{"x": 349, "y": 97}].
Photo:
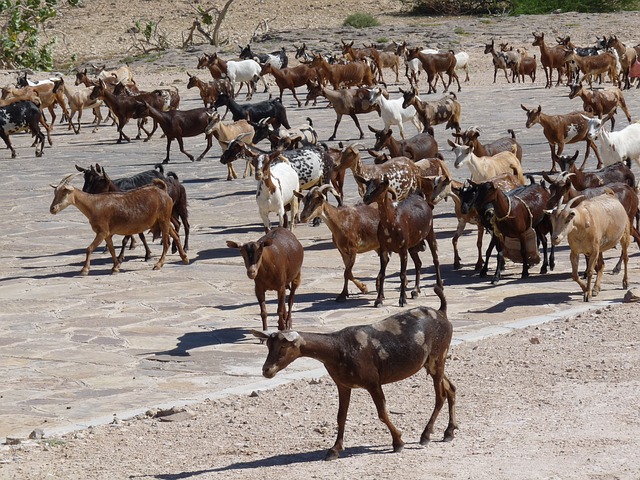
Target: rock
[
  {"x": 13, "y": 441},
  {"x": 177, "y": 417},
  {"x": 254, "y": 394},
  {"x": 633, "y": 295},
  {"x": 37, "y": 434},
  {"x": 534, "y": 341}
]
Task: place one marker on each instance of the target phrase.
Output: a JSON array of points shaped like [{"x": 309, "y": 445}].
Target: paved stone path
[{"x": 76, "y": 350}]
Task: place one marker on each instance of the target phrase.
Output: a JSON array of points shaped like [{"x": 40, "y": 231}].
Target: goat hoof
[
  {"x": 332, "y": 455},
  {"x": 424, "y": 440},
  {"x": 84, "y": 272},
  {"x": 415, "y": 294},
  {"x": 341, "y": 298},
  {"x": 377, "y": 303},
  {"x": 185, "y": 260},
  {"x": 397, "y": 448}
]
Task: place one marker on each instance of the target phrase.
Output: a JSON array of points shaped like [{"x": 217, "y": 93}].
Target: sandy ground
[{"x": 556, "y": 401}]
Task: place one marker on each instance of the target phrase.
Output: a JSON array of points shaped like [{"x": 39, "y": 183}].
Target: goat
[
  {"x": 422, "y": 145},
  {"x": 627, "y": 56},
  {"x": 354, "y": 229},
  {"x": 499, "y": 60},
  {"x": 247, "y": 71},
  {"x": 273, "y": 262},
  {"x": 369, "y": 356},
  {"x": 620, "y": 146},
  {"x": 593, "y": 66},
  {"x": 485, "y": 167},
  {"x": 506, "y": 182},
  {"x": 447, "y": 109},
  {"x": 515, "y": 214},
  {"x": 277, "y": 183},
  {"x": 616, "y": 172},
  {"x": 49, "y": 95},
  {"x": 96, "y": 180},
  {"x": 347, "y": 75},
  {"x": 78, "y": 99},
  {"x": 123, "y": 213},
  {"x": 19, "y": 116},
  {"x": 551, "y": 58},
  {"x": 209, "y": 91},
  {"x": 401, "y": 172},
  {"x": 594, "y": 226},
  {"x": 562, "y": 129},
  {"x": 392, "y": 111},
  {"x": 291, "y": 77},
  {"x": 363, "y": 54},
  {"x": 562, "y": 189},
  {"x": 505, "y": 144},
  {"x": 122, "y": 74},
  {"x": 273, "y": 110},
  {"x": 434, "y": 64},
  {"x": 600, "y": 102},
  {"x": 177, "y": 124},
  {"x": 277, "y": 59},
  {"x": 297, "y": 136},
  {"x": 404, "y": 228},
  {"x": 241, "y": 130},
  {"x": 346, "y": 101}
]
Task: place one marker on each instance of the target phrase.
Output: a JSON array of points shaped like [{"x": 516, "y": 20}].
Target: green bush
[
  {"x": 361, "y": 20},
  {"x": 479, "y": 7},
  {"x": 22, "y": 21}
]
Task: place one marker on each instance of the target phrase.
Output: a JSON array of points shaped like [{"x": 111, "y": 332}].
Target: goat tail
[
  {"x": 513, "y": 134},
  {"x": 160, "y": 184},
  {"x": 309, "y": 121},
  {"x": 173, "y": 175},
  {"x": 439, "y": 291},
  {"x": 159, "y": 167}
]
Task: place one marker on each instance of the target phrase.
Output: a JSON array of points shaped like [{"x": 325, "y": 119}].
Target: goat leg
[
  {"x": 418, "y": 265},
  {"x": 260, "y": 295},
  {"x": 96, "y": 241},
  {"x": 384, "y": 260},
  {"x": 282, "y": 309},
  {"x": 381, "y": 406},
  {"x": 403, "y": 277},
  {"x": 344, "y": 398}
]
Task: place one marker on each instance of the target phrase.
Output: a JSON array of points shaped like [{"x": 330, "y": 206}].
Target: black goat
[
  {"x": 277, "y": 59},
  {"x": 273, "y": 110}
]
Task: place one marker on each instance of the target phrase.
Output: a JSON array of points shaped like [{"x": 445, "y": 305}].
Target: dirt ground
[{"x": 556, "y": 401}]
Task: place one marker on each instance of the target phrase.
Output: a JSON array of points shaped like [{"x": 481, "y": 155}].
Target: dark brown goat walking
[{"x": 369, "y": 356}]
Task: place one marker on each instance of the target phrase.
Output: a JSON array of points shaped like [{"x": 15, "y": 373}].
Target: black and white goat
[
  {"x": 19, "y": 116},
  {"x": 276, "y": 59}
]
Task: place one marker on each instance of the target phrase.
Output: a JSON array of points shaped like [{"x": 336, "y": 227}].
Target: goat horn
[
  {"x": 67, "y": 179},
  {"x": 572, "y": 201}
]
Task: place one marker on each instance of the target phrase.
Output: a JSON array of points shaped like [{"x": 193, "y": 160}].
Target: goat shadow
[{"x": 193, "y": 340}]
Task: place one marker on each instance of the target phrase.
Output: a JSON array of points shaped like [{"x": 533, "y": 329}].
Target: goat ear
[
  {"x": 451, "y": 144},
  {"x": 298, "y": 195},
  {"x": 267, "y": 242},
  {"x": 524, "y": 108},
  {"x": 80, "y": 169},
  {"x": 260, "y": 335},
  {"x": 232, "y": 244}
]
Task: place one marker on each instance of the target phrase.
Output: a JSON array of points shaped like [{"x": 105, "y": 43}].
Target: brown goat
[
  {"x": 404, "y": 228},
  {"x": 505, "y": 144},
  {"x": 369, "y": 356},
  {"x": 422, "y": 145},
  {"x": 177, "y": 124},
  {"x": 124, "y": 213},
  {"x": 354, "y": 229},
  {"x": 348, "y": 75},
  {"x": 291, "y": 77},
  {"x": 551, "y": 58},
  {"x": 593, "y": 66},
  {"x": 274, "y": 262},
  {"x": 435, "y": 63},
  {"x": 345, "y": 101}
]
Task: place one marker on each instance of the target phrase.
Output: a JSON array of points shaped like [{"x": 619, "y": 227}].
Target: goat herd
[{"x": 595, "y": 211}]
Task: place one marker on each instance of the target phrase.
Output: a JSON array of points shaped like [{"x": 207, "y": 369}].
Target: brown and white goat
[
  {"x": 241, "y": 130},
  {"x": 422, "y": 145},
  {"x": 563, "y": 129},
  {"x": 485, "y": 167},
  {"x": 369, "y": 356},
  {"x": 124, "y": 213},
  {"x": 593, "y": 66},
  {"x": 600, "y": 102},
  {"x": 447, "y": 109},
  {"x": 273, "y": 262}
]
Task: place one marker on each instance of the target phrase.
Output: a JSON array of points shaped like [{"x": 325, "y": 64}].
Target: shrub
[
  {"x": 476, "y": 7},
  {"x": 361, "y": 20}
]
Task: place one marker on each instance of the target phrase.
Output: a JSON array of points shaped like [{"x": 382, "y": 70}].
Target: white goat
[
  {"x": 392, "y": 112},
  {"x": 483, "y": 168},
  {"x": 239, "y": 71},
  {"x": 276, "y": 186},
  {"x": 617, "y": 146}
]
